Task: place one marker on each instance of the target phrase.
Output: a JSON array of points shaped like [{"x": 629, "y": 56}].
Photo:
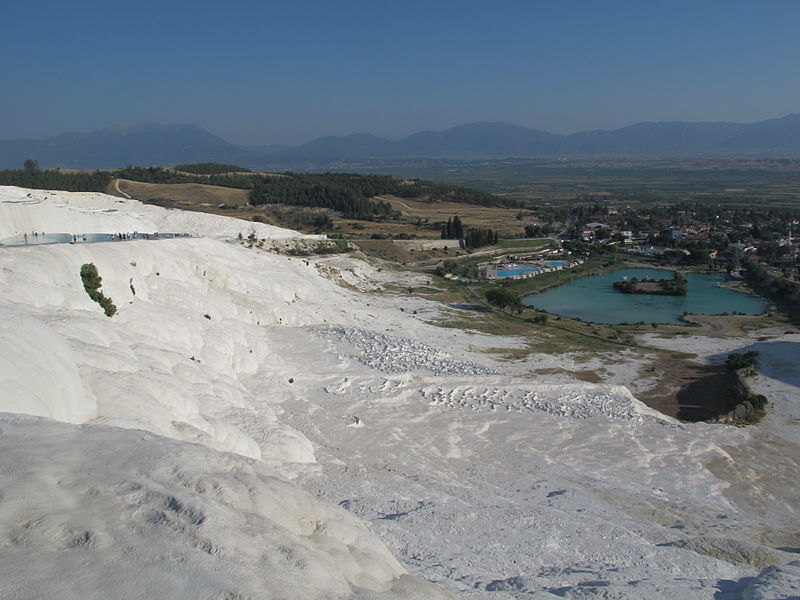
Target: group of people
[
  {"x": 34, "y": 234},
  {"x": 37, "y": 237},
  {"x": 132, "y": 236},
  {"x": 123, "y": 236},
  {"x": 143, "y": 236}
]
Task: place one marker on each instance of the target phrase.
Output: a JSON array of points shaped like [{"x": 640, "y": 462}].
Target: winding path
[{"x": 116, "y": 187}]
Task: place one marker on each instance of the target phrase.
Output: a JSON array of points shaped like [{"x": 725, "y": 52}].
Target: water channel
[{"x": 39, "y": 239}]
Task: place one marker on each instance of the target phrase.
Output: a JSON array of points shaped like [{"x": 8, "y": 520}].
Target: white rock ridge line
[
  {"x": 393, "y": 354},
  {"x": 23, "y": 210},
  {"x": 190, "y": 326},
  {"x": 575, "y": 401}
]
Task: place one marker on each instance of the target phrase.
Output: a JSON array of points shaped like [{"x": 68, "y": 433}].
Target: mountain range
[{"x": 159, "y": 144}]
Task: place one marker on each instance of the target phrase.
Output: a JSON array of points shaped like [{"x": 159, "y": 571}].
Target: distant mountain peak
[
  {"x": 148, "y": 143},
  {"x": 132, "y": 143},
  {"x": 132, "y": 127}
]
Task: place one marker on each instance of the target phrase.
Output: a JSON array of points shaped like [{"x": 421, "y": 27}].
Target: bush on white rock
[{"x": 190, "y": 325}]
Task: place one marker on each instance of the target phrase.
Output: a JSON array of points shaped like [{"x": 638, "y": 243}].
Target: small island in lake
[{"x": 647, "y": 285}]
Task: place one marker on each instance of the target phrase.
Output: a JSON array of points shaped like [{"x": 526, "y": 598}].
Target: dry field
[
  {"x": 421, "y": 217},
  {"x": 194, "y": 194},
  {"x": 190, "y": 196},
  {"x": 500, "y": 219},
  {"x": 387, "y": 250},
  {"x": 209, "y": 198}
]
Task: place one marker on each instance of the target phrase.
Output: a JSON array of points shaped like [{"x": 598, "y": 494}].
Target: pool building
[{"x": 498, "y": 270}]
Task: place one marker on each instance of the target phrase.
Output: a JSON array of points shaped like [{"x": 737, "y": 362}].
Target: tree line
[
  {"x": 350, "y": 194},
  {"x": 476, "y": 238},
  {"x": 97, "y": 181},
  {"x": 454, "y": 230},
  {"x": 344, "y": 195},
  {"x": 773, "y": 286},
  {"x": 162, "y": 175},
  {"x": 211, "y": 168},
  {"x": 473, "y": 237},
  {"x": 57, "y": 180}
]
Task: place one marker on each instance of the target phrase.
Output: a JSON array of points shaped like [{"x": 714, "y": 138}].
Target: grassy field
[
  {"x": 420, "y": 219},
  {"x": 502, "y": 220},
  {"x": 424, "y": 219},
  {"x": 196, "y": 195},
  {"x": 426, "y": 260}
]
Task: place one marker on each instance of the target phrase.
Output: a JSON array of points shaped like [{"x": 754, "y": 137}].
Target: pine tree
[{"x": 458, "y": 228}]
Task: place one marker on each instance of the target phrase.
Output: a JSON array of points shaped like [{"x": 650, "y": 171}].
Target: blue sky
[{"x": 286, "y": 72}]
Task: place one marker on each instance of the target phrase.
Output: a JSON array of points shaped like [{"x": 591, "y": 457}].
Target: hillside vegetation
[
  {"x": 314, "y": 200},
  {"x": 326, "y": 190},
  {"x": 210, "y": 168}
]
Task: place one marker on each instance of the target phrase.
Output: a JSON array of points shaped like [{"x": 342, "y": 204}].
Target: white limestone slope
[
  {"x": 99, "y": 512},
  {"x": 476, "y": 476},
  {"x": 170, "y": 361},
  {"x": 29, "y": 349},
  {"x": 25, "y": 211}
]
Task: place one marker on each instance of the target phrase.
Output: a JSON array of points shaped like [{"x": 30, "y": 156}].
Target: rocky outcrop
[
  {"x": 735, "y": 551},
  {"x": 745, "y": 411}
]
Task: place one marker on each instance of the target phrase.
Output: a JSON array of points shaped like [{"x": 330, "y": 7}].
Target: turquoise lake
[{"x": 594, "y": 299}]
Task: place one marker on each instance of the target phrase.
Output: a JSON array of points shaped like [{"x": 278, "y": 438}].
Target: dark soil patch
[
  {"x": 688, "y": 391},
  {"x": 385, "y": 250},
  {"x": 587, "y": 376},
  {"x": 548, "y": 371},
  {"x": 709, "y": 396}
]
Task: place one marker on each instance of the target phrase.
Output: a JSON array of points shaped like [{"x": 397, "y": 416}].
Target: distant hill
[
  {"x": 167, "y": 145},
  {"x": 502, "y": 140},
  {"x": 140, "y": 144},
  {"x": 675, "y": 137},
  {"x": 350, "y": 146},
  {"x": 482, "y": 139}
]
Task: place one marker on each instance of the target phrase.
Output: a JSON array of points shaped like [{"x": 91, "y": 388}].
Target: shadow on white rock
[{"x": 98, "y": 512}]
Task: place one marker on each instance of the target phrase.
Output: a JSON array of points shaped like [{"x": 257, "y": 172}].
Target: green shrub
[
  {"x": 759, "y": 401},
  {"x": 502, "y": 298},
  {"x": 91, "y": 283},
  {"x": 332, "y": 247},
  {"x": 736, "y": 361}
]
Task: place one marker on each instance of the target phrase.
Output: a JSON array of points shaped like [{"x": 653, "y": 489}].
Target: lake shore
[{"x": 593, "y": 299}]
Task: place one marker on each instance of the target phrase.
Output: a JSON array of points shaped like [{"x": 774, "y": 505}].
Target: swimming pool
[{"x": 516, "y": 270}]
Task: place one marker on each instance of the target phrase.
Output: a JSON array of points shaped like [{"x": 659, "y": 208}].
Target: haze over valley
[{"x": 158, "y": 144}]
